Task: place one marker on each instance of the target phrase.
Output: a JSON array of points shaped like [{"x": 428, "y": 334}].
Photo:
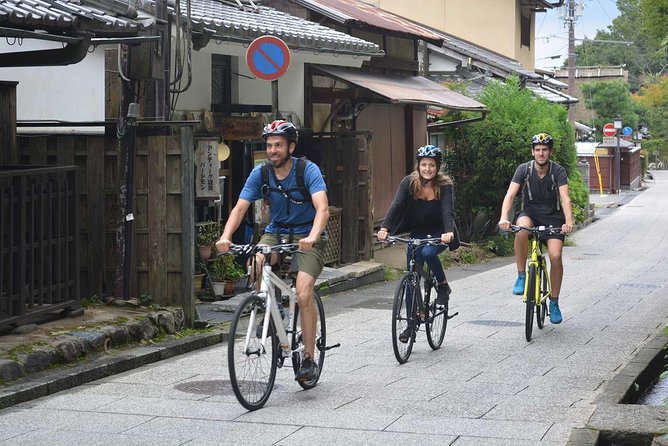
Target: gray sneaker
[{"x": 308, "y": 371}]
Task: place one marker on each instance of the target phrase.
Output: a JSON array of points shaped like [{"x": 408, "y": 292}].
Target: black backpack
[
  {"x": 527, "y": 187},
  {"x": 267, "y": 168}
]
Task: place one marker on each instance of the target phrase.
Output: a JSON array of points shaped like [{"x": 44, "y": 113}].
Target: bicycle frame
[
  {"x": 537, "y": 259},
  {"x": 267, "y": 290}
]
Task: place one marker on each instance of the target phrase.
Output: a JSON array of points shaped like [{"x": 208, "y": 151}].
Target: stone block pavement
[{"x": 485, "y": 386}]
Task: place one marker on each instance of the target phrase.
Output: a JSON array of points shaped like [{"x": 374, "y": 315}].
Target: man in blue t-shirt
[
  {"x": 545, "y": 203},
  {"x": 297, "y": 212}
]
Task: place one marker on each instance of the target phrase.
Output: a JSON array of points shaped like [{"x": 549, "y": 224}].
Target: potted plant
[
  {"x": 207, "y": 234},
  {"x": 223, "y": 270}
]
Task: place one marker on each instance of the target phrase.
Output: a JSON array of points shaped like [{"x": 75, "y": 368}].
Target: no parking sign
[{"x": 268, "y": 57}]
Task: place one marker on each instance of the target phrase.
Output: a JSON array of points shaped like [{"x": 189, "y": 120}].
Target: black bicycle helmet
[
  {"x": 542, "y": 138},
  {"x": 281, "y": 128},
  {"x": 429, "y": 151}
]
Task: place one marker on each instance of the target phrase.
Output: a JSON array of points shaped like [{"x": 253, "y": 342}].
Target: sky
[{"x": 552, "y": 35}]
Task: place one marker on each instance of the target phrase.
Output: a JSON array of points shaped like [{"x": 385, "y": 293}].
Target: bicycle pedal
[{"x": 450, "y": 316}]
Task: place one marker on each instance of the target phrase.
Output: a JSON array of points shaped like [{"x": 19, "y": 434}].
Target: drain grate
[
  {"x": 647, "y": 286},
  {"x": 221, "y": 387},
  {"x": 493, "y": 323}
]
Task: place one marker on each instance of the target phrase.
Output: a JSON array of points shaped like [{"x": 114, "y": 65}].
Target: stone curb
[
  {"x": 51, "y": 381},
  {"x": 616, "y": 419},
  {"x": 76, "y": 345}
]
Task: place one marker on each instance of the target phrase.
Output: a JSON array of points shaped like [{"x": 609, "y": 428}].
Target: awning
[{"x": 406, "y": 89}]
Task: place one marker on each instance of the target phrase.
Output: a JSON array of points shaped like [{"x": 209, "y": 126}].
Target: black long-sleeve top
[{"x": 396, "y": 220}]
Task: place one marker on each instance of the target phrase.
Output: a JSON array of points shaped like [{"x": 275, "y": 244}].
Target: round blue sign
[
  {"x": 627, "y": 131},
  {"x": 268, "y": 57}
]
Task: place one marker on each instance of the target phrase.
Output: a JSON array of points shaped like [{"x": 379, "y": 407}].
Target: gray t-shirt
[{"x": 544, "y": 191}]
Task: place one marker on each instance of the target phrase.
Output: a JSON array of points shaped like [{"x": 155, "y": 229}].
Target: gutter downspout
[{"x": 72, "y": 53}]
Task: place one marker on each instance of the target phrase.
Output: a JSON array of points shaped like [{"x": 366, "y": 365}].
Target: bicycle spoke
[{"x": 252, "y": 363}]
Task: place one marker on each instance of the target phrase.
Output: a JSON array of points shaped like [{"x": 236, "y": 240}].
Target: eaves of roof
[
  {"x": 73, "y": 17},
  {"x": 362, "y": 15},
  {"x": 225, "y": 20}
]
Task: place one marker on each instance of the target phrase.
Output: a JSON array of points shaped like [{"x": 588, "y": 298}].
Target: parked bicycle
[
  {"x": 537, "y": 289},
  {"x": 415, "y": 303},
  {"x": 264, "y": 334}
]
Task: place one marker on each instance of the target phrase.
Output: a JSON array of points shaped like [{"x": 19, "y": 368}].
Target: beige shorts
[{"x": 311, "y": 262}]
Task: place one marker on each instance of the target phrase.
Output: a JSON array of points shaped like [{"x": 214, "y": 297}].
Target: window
[
  {"x": 525, "y": 31},
  {"x": 221, "y": 83}
]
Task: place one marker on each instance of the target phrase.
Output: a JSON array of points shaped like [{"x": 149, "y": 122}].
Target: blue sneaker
[
  {"x": 555, "y": 312},
  {"x": 519, "y": 285}
]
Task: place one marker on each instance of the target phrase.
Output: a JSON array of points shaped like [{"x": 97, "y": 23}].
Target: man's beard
[
  {"x": 544, "y": 164},
  {"x": 281, "y": 162}
]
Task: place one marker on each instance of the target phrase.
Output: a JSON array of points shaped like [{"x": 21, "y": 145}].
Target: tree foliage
[
  {"x": 655, "y": 20},
  {"x": 482, "y": 157},
  {"x": 642, "y": 57},
  {"x": 653, "y": 97},
  {"x": 609, "y": 100}
]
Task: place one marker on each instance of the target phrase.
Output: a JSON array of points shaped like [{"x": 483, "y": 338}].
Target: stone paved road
[{"x": 486, "y": 386}]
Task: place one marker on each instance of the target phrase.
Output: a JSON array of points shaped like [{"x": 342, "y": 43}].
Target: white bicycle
[{"x": 263, "y": 334}]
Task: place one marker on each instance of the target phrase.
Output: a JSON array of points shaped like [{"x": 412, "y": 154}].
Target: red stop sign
[{"x": 609, "y": 129}]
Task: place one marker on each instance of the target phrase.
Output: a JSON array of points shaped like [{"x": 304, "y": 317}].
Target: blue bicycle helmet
[
  {"x": 542, "y": 138},
  {"x": 430, "y": 151}
]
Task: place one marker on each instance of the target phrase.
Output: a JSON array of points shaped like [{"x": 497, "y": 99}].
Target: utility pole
[{"x": 570, "y": 19}]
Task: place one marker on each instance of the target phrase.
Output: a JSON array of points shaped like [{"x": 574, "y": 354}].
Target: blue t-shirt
[{"x": 281, "y": 209}]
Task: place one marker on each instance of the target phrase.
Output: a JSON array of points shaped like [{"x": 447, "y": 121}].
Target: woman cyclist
[{"x": 424, "y": 206}]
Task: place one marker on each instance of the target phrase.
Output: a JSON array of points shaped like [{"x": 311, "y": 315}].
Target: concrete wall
[
  {"x": 493, "y": 24},
  {"x": 69, "y": 93}
]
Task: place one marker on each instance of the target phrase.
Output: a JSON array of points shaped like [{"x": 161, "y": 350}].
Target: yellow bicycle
[{"x": 537, "y": 285}]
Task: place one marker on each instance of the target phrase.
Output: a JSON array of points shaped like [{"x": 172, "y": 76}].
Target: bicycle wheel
[
  {"x": 541, "y": 309},
  {"x": 252, "y": 365},
  {"x": 531, "y": 301},
  {"x": 298, "y": 341},
  {"x": 402, "y": 317},
  {"x": 437, "y": 321}
]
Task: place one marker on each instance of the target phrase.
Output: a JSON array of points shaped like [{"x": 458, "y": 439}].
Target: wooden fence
[
  {"x": 39, "y": 243},
  {"x": 162, "y": 258}
]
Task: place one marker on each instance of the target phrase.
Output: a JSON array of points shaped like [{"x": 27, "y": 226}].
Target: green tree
[
  {"x": 653, "y": 97},
  {"x": 482, "y": 157},
  {"x": 609, "y": 100},
  {"x": 641, "y": 57},
  {"x": 655, "y": 18}
]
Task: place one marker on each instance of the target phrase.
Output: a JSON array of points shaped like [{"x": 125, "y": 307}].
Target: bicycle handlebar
[
  {"x": 536, "y": 229},
  {"x": 282, "y": 248},
  {"x": 414, "y": 241}
]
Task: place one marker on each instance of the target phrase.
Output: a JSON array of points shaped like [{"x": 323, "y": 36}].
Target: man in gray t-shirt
[{"x": 545, "y": 202}]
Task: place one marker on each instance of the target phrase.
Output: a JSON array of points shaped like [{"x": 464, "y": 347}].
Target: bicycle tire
[
  {"x": 401, "y": 318},
  {"x": 253, "y": 369},
  {"x": 541, "y": 308},
  {"x": 320, "y": 342},
  {"x": 437, "y": 322},
  {"x": 530, "y": 302}
]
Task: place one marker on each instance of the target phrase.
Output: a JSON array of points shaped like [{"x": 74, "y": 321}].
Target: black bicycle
[{"x": 415, "y": 303}]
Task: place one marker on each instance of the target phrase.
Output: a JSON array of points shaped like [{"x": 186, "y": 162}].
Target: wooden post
[
  {"x": 187, "y": 224},
  {"x": 9, "y": 152}
]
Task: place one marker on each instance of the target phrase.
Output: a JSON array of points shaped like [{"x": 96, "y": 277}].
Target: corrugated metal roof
[
  {"x": 227, "y": 19},
  {"x": 551, "y": 94},
  {"x": 66, "y": 16},
  {"x": 486, "y": 56},
  {"x": 356, "y": 12},
  {"x": 406, "y": 90}
]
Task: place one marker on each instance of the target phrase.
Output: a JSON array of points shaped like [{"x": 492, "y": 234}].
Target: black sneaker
[
  {"x": 443, "y": 295},
  {"x": 308, "y": 371},
  {"x": 405, "y": 335}
]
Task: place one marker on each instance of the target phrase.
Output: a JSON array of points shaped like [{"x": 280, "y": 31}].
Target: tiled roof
[
  {"x": 71, "y": 16},
  {"x": 226, "y": 19},
  {"x": 356, "y": 12}
]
